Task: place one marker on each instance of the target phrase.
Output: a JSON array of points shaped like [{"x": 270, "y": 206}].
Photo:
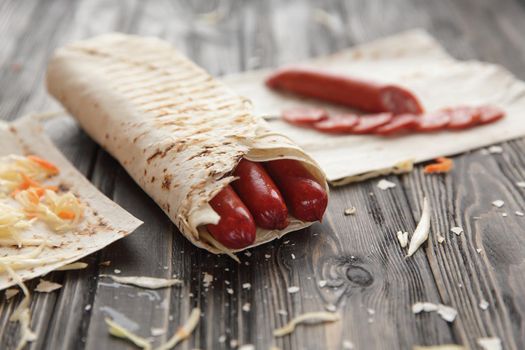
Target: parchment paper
[{"x": 413, "y": 59}]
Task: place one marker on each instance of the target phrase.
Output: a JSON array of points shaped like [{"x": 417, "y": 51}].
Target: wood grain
[{"x": 368, "y": 280}]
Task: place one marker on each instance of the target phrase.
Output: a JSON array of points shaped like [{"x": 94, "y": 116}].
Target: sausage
[
  {"x": 489, "y": 114},
  {"x": 462, "y": 117},
  {"x": 349, "y": 91},
  {"x": 399, "y": 124},
  {"x": 369, "y": 123},
  {"x": 236, "y": 228},
  {"x": 304, "y": 115},
  {"x": 305, "y": 197},
  {"x": 433, "y": 121},
  {"x": 260, "y": 194},
  {"x": 339, "y": 124}
]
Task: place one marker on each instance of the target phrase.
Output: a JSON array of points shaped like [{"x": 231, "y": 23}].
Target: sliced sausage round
[
  {"x": 399, "y": 124},
  {"x": 339, "y": 124},
  {"x": 462, "y": 117},
  {"x": 304, "y": 115},
  {"x": 433, "y": 121},
  {"x": 370, "y": 122},
  {"x": 489, "y": 114}
]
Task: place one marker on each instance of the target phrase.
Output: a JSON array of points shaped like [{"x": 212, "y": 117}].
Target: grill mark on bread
[{"x": 166, "y": 182}]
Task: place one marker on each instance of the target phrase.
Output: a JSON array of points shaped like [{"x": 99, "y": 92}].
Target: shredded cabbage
[
  {"x": 12, "y": 221},
  {"x": 20, "y": 178},
  {"x": 22, "y": 314},
  {"x": 61, "y": 212},
  {"x": 16, "y": 170}
]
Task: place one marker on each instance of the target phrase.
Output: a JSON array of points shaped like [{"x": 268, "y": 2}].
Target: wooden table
[{"x": 367, "y": 278}]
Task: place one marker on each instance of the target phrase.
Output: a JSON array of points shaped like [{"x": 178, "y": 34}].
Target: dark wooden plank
[
  {"x": 43, "y": 23},
  {"x": 464, "y": 276}
]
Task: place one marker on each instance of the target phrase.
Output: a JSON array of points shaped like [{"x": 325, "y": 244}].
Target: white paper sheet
[{"x": 412, "y": 59}]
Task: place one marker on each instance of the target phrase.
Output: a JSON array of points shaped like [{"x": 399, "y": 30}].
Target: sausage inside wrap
[{"x": 176, "y": 130}]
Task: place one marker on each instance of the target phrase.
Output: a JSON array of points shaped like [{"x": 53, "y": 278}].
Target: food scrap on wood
[
  {"x": 439, "y": 347},
  {"x": 310, "y": 317},
  {"x": 11, "y": 292},
  {"x": 422, "y": 230},
  {"x": 402, "y": 237},
  {"x": 47, "y": 286},
  {"x": 145, "y": 281},
  {"x": 442, "y": 165},
  {"x": 446, "y": 312},
  {"x": 490, "y": 343},
  {"x": 457, "y": 230},
  {"x": 350, "y": 211},
  {"x": 182, "y": 333},
  {"x": 384, "y": 184},
  {"x": 498, "y": 203},
  {"x": 483, "y": 304},
  {"x": 73, "y": 266}
]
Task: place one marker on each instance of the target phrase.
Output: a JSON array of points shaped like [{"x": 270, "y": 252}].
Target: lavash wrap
[{"x": 176, "y": 130}]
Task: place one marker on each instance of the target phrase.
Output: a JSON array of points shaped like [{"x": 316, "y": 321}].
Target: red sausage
[
  {"x": 304, "y": 115},
  {"x": 339, "y": 124},
  {"x": 433, "y": 121},
  {"x": 348, "y": 91},
  {"x": 369, "y": 123},
  {"x": 490, "y": 114},
  {"x": 399, "y": 124},
  {"x": 305, "y": 197},
  {"x": 260, "y": 194},
  {"x": 462, "y": 117},
  {"x": 236, "y": 228}
]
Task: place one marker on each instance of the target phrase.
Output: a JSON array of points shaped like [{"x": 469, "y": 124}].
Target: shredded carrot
[
  {"x": 28, "y": 182},
  {"x": 41, "y": 190},
  {"x": 25, "y": 184},
  {"x": 66, "y": 215},
  {"x": 44, "y": 164},
  {"x": 442, "y": 165}
]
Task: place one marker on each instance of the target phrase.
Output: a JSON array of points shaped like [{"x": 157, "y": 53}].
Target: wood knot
[
  {"x": 339, "y": 271},
  {"x": 359, "y": 276}
]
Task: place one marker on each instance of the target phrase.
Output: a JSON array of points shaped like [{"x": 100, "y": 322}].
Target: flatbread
[
  {"x": 104, "y": 221},
  {"x": 413, "y": 59},
  {"x": 176, "y": 130}
]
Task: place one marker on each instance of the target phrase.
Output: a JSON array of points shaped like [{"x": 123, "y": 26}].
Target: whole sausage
[
  {"x": 236, "y": 228},
  {"x": 260, "y": 194},
  {"x": 345, "y": 90},
  {"x": 305, "y": 197}
]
